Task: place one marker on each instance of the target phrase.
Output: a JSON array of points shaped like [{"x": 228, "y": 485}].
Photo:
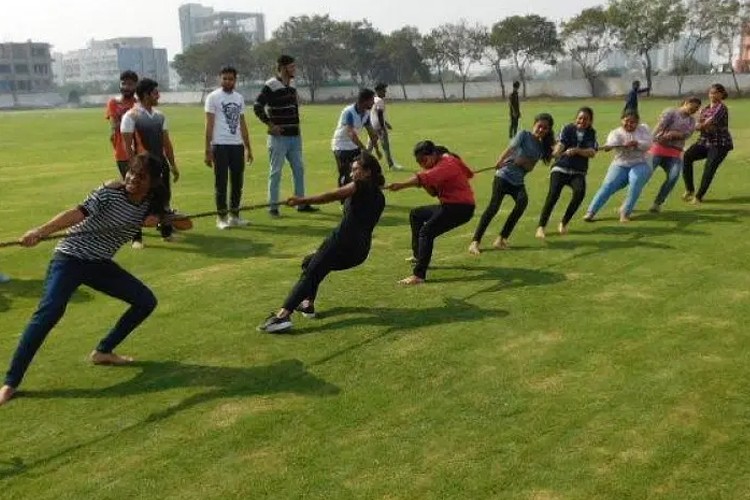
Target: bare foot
[
  {"x": 589, "y": 217},
  {"x": 6, "y": 394},
  {"x": 687, "y": 196},
  {"x": 624, "y": 219},
  {"x": 411, "y": 260},
  {"x": 562, "y": 229},
  {"x": 696, "y": 201},
  {"x": 474, "y": 248},
  {"x": 501, "y": 243},
  {"x": 109, "y": 358},
  {"x": 411, "y": 280},
  {"x": 540, "y": 233}
]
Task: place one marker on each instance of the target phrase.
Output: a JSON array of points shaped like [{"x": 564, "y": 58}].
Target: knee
[
  {"x": 306, "y": 261},
  {"x": 147, "y": 302}
]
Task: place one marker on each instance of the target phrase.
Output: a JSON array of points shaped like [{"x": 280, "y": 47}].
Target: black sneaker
[
  {"x": 307, "y": 208},
  {"x": 274, "y": 212},
  {"x": 307, "y": 312},
  {"x": 274, "y": 324}
]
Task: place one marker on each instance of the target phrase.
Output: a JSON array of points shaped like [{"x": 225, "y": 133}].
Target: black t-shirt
[
  {"x": 572, "y": 137},
  {"x": 362, "y": 212}
]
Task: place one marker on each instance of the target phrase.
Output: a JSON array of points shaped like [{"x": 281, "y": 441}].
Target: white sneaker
[
  {"x": 237, "y": 221},
  {"x": 137, "y": 245},
  {"x": 4, "y": 278},
  {"x": 222, "y": 223}
]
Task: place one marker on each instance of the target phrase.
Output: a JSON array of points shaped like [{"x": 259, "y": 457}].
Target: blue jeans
[
  {"x": 618, "y": 177},
  {"x": 673, "y": 167},
  {"x": 64, "y": 275},
  {"x": 280, "y": 149}
]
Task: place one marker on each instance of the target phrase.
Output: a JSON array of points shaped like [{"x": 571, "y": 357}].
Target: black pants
[
  {"x": 166, "y": 229},
  {"x": 344, "y": 160},
  {"x": 513, "y": 127},
  {"x": 229, "y": 168},
  {"x": 429, "y": 222},
  {"x": 331, "y": 256},
  {"x": 557, "y": 181},
  {"x": 123, "y": 167},
  {"x": 713, "y": 156},
  {"x": 501, "y": 187}
]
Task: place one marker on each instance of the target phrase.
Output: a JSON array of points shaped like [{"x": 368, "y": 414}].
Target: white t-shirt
[
  {"x": 227, "y": 109},
  {"x": 378, "y": 106},
  {"x": 630, "y": 157},
  {"x": 127, "y": 124},
  {"x": 349, "y": 117}
]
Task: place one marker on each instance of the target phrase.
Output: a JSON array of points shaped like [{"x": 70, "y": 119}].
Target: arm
[
  {"x": 209, "y": 156},
  {"x": 113, "y": 125},
  {"x": 341, "y": 193},
  {"x": 373, "y": 139},
  {"x": 127, "y": 128},
  {"x": 260, "y": 110},
  {"x": 504, "y": 156},
  {"x": 398, "y": 186},
  {"x": 169, "y": 153},
  {"x": 246, "y": 139},
  {"x": 61, "y": 221}
]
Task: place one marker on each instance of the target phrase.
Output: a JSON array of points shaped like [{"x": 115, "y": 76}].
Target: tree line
[{"x": 327, "y": 49}]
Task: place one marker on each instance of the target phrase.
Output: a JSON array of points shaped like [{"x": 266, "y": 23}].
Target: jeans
[
  {"x": 673, "y": 167},
  {"x": 64, "y": 275},
  {"x": 714, "y": 157},
  {"x": 229, "y": 164},
  {"x": 429, "y": 222},
  {"x": 280, "y": 149},
  {"x": 501, "y": 187},
  {"x": 558, "y": 180},
  {"x": 618, "y": 177}
]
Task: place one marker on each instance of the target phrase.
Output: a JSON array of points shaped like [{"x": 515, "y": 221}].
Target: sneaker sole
[
  {"x": 309, "y": 315},
  {"x": 277, "y": 328}
]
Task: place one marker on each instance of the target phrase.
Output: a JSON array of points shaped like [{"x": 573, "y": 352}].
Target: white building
[
  {"x": 663, "y": 59},
  {"x": 200, "y": 24}
]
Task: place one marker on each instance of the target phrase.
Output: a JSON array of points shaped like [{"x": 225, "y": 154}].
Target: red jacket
[{"x": 449, "y": 177}]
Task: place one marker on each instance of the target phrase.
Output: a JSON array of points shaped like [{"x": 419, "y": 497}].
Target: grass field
[{"x": 611, "y": 363}]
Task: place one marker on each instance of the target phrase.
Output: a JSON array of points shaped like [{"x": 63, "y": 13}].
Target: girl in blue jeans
[
  {"x": 108, "y": 219},
  {"x": 629, "y": 167}
]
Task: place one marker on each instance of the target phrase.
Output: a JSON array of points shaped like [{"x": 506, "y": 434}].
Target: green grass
[{"x": 611, "y": 363}]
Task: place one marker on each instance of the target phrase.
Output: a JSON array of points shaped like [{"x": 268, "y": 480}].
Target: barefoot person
[
  {"x": 445, "y": 176},
  {"x": 104, "y": 222},
  {"x": 347, "y": 247},
  {"x": 714, "y": 144},
  {"x": 520, "y": 158},
  {"x": 576, "y": 147},
  {"x": 674, "y": 127},
  {"x": 629, "y": 167}
]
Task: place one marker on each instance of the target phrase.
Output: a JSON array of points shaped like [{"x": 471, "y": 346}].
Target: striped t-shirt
[{"x": 111, "y": 221}]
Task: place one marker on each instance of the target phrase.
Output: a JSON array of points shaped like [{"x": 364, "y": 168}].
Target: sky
[{"x": 70, "y": 24}]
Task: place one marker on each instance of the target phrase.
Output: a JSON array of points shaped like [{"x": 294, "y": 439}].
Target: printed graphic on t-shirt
[{"x": 232, "y": 113}]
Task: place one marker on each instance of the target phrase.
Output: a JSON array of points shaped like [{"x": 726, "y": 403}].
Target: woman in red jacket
[{"x": 446, "y": 176}]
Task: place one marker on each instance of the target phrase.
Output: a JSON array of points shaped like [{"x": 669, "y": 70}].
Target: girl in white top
[{"x": 629, "y": 167}]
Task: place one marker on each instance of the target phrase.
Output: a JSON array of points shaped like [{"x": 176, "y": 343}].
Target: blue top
[
  {"x": 572, "y": 137},
  {"x": 524, "y": 145}
]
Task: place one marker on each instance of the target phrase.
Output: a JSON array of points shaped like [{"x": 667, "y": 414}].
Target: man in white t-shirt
[
  {"x": 227, "y": 146},
  {"x": 381, "y": 125},
  {"x": 346, "y": 144}
]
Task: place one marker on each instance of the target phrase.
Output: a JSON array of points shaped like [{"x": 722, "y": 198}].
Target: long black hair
[
  {"x": 372, "y": 165},
  {"x": 548, "y": 141},
  {"x": 157, "y": 192},
  {"x": 429, "y": 148}
]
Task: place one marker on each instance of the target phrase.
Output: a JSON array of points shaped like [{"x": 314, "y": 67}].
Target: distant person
[
  {"x": 574, "y": 150},
  {"x": 116, "y": 109},
  {"x": 635, "y": 91},
  {"x": 630, "y": 166},
  {"x": 514, "y": 105},
  {"x": 675, "y": 126},
  {"x": 381, "y": 125},
  {"x": 228, "y": 146},
  {"x": 144, "y": 129},
  {"x": 713, "y": 145},
  {"x": 346, "y": 144},
  {"x": 277, "y": 106}
]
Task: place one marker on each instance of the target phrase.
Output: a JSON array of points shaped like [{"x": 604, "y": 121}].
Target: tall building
[
  {"x": 25, "y": 67},
  {"x": 102, "y": 61},
  {"x": 200, "y": 24}
]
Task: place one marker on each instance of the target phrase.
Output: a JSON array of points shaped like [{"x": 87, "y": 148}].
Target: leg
[
  {"x": 221, "y": 174},
  {"x": 522, "y": 201},
  {"x": 446, "y": 218},
  {"x": 417, "y": 218},
  {"x": 616, "y": 179},
  {"x": 694, "y": 153},
  {"x": 513, "y": 127},
  {"x": 385, "y": 141},
  {"x": 109, "y": 278},
  {"x": 715, "y": 157},
  {"x": 237, "y": 178},
  {"x": 673, "y": 167},
  {"x": 123, "y": 167},
  {"x": 277, "y": 155},
  {"x": 315, "y": 268},
  {"x": 489, "y": 213},
  {"x": 294, "y": 155},
  {"x": 637, "y": 179},
  {"x": 63, "y": 278},
  {"x": 166, "y": 229},
  {"x": 556, "y": 182},
  {"x": 578, "y": 185}
]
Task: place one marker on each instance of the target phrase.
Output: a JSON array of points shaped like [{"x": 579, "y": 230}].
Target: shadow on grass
[
  {"x": 506, "y": 278},
  {"x": 728, "y": 201},
  {"x": 223, "y": 246},
  {"x": 288, "y": 376},
  {"x": 32, "y": 289}
]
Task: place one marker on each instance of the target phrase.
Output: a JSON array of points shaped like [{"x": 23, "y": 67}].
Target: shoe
[
  {"x": 4, "y": 278},
  {"x": 307, "y": 312},
  {"x": 274, "y": 324},
  {"x": 137, "y": 245},
  {"x": 222, "y": 223},
  {"x": 274, "y": 212},
  {"x": 687, "y": 196},
  {"x": 237, "y": 221},
  {"x": 307, "y": 208}
]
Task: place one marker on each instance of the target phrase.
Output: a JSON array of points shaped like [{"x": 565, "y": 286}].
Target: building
[
  {"x": 200, "y": 24},
  {"x": 102, "y": 61},
  {"x": 25, "y": 67},
  {"x": 665, "y": 57}
]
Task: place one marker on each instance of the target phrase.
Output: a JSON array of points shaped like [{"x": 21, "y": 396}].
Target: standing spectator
[
  {"x": 346, "y": 144},
  {"x": 515, "y": 110},
  {"x": 381, "y": 125},
  {"x": 632, "y": 101}
]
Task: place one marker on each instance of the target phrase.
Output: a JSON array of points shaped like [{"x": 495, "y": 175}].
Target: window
[
  {"x": 22, "y": 69},
  {"x": 4, "y": 68}
]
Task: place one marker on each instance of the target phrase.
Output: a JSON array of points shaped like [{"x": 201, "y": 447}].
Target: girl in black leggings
[
  {"x": 576, "y": 147},
  {"x": 347, "y": 247}
]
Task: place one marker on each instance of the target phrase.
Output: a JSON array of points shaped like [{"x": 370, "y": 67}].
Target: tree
[
  {"x": 643, "y": 25},
  {"x": 313, "y": 43},
  {"x": 497, "y": 50},
  {"x": 731, "y": 19},
  {"x": 463, "y": 46},
  {"x": 360, "y": 42},
  {"x": 700, "y": 28},
  {"x": 589, "y": 39},
  {"x": 400, "y": 52},
  {"x": 529, "y": 39},
  {"x": 434, "y": 54},
  {"x": 263, "y": 60}
]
